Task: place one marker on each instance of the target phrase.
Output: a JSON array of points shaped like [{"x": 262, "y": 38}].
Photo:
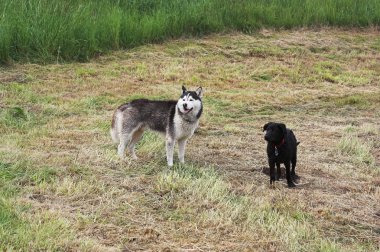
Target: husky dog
[{"x": 176, "y": 119}]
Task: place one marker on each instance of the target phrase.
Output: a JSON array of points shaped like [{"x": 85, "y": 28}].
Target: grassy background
[
  {"x": 46, "y": 31},
  {"x": 63, "y": 187}
]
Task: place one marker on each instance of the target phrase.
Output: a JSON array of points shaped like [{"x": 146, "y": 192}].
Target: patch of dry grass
[{"x": 59, "y": 166}]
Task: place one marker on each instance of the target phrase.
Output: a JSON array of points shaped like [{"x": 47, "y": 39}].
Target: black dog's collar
[
  {"x": 278, "y": 145},
  {"x": 281, "y": 143}
]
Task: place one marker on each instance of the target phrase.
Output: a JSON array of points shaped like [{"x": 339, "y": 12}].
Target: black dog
[{"x": 281, "y": 148}]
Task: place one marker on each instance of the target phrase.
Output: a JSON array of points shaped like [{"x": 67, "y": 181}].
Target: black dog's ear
[
  {"x": 266, "y": 126},
  {"x": 283, "y": 128},
  {"x": 183, "y": 89}
]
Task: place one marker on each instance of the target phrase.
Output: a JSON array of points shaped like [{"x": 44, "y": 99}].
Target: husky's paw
[{"x": 121, "y": 154}]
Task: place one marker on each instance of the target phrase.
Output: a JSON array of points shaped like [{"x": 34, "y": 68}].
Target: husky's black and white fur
[{"x": 176, "y": 119}]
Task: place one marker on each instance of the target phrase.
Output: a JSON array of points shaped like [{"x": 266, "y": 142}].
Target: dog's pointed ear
[
  {"x": 199, "y": 92},
  {"x": 266, "y": 126},
  {"x": 183, "y": 89},
  {"x": 283, "y": 128}
]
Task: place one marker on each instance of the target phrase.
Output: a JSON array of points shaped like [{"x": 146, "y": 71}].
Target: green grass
[
  {"x": 20, "y": 228},
  {"x": 64, "y": 188},
  {"x": 360, "y": 101},
  {"x": 15, "y": 176},
  {"x": 216, "y": 203},
  {"x": 20, "y": 233},
  {"x": 54, "y": 31},
  {"x": 359, "y": 151}
]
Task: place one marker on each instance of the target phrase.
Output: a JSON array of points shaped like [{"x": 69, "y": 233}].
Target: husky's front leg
[
  {"x": 181, "y": 150},
  {"x": 169, "y": 150}
]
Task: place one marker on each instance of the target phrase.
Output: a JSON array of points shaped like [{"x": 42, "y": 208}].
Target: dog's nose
[
  {"x": 266, "y": 137},
  {"x": 185, "y": 105}
]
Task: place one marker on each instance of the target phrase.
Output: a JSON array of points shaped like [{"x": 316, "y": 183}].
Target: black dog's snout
[{"x": 266, "y": 137}]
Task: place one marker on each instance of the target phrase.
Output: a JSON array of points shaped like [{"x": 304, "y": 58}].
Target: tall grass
[{"x": 54, "y": 30}]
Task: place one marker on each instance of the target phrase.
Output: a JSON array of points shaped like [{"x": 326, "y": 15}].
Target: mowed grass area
[
  {"x": 62, "y": 186},
  {"x": 52, "y": 31}
]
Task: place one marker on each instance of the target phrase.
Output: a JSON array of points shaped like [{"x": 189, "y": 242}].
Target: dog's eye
[
  {"x": 191, "y": 99},
  {"x": 183, "y": 99}
]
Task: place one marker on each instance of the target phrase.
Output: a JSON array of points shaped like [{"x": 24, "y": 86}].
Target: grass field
[
  {"x": 63, "y": 188},
  {"x": 46, "y": 31}
]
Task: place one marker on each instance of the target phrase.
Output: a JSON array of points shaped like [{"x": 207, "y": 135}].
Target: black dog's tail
[{"x": 298, "y": 143}]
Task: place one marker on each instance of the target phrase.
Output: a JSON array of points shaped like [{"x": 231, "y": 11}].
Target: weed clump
[
  {"x": 359, "y": 151},
  {"x": 14, "y": 117}
]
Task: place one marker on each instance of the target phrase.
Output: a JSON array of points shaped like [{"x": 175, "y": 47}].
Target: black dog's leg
[
  {"x": 271, "y": 172},
  {"x": 288, "y": 176},
  {"x": 294, "y": 163},
  {"x": 278, "y": 171}
]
